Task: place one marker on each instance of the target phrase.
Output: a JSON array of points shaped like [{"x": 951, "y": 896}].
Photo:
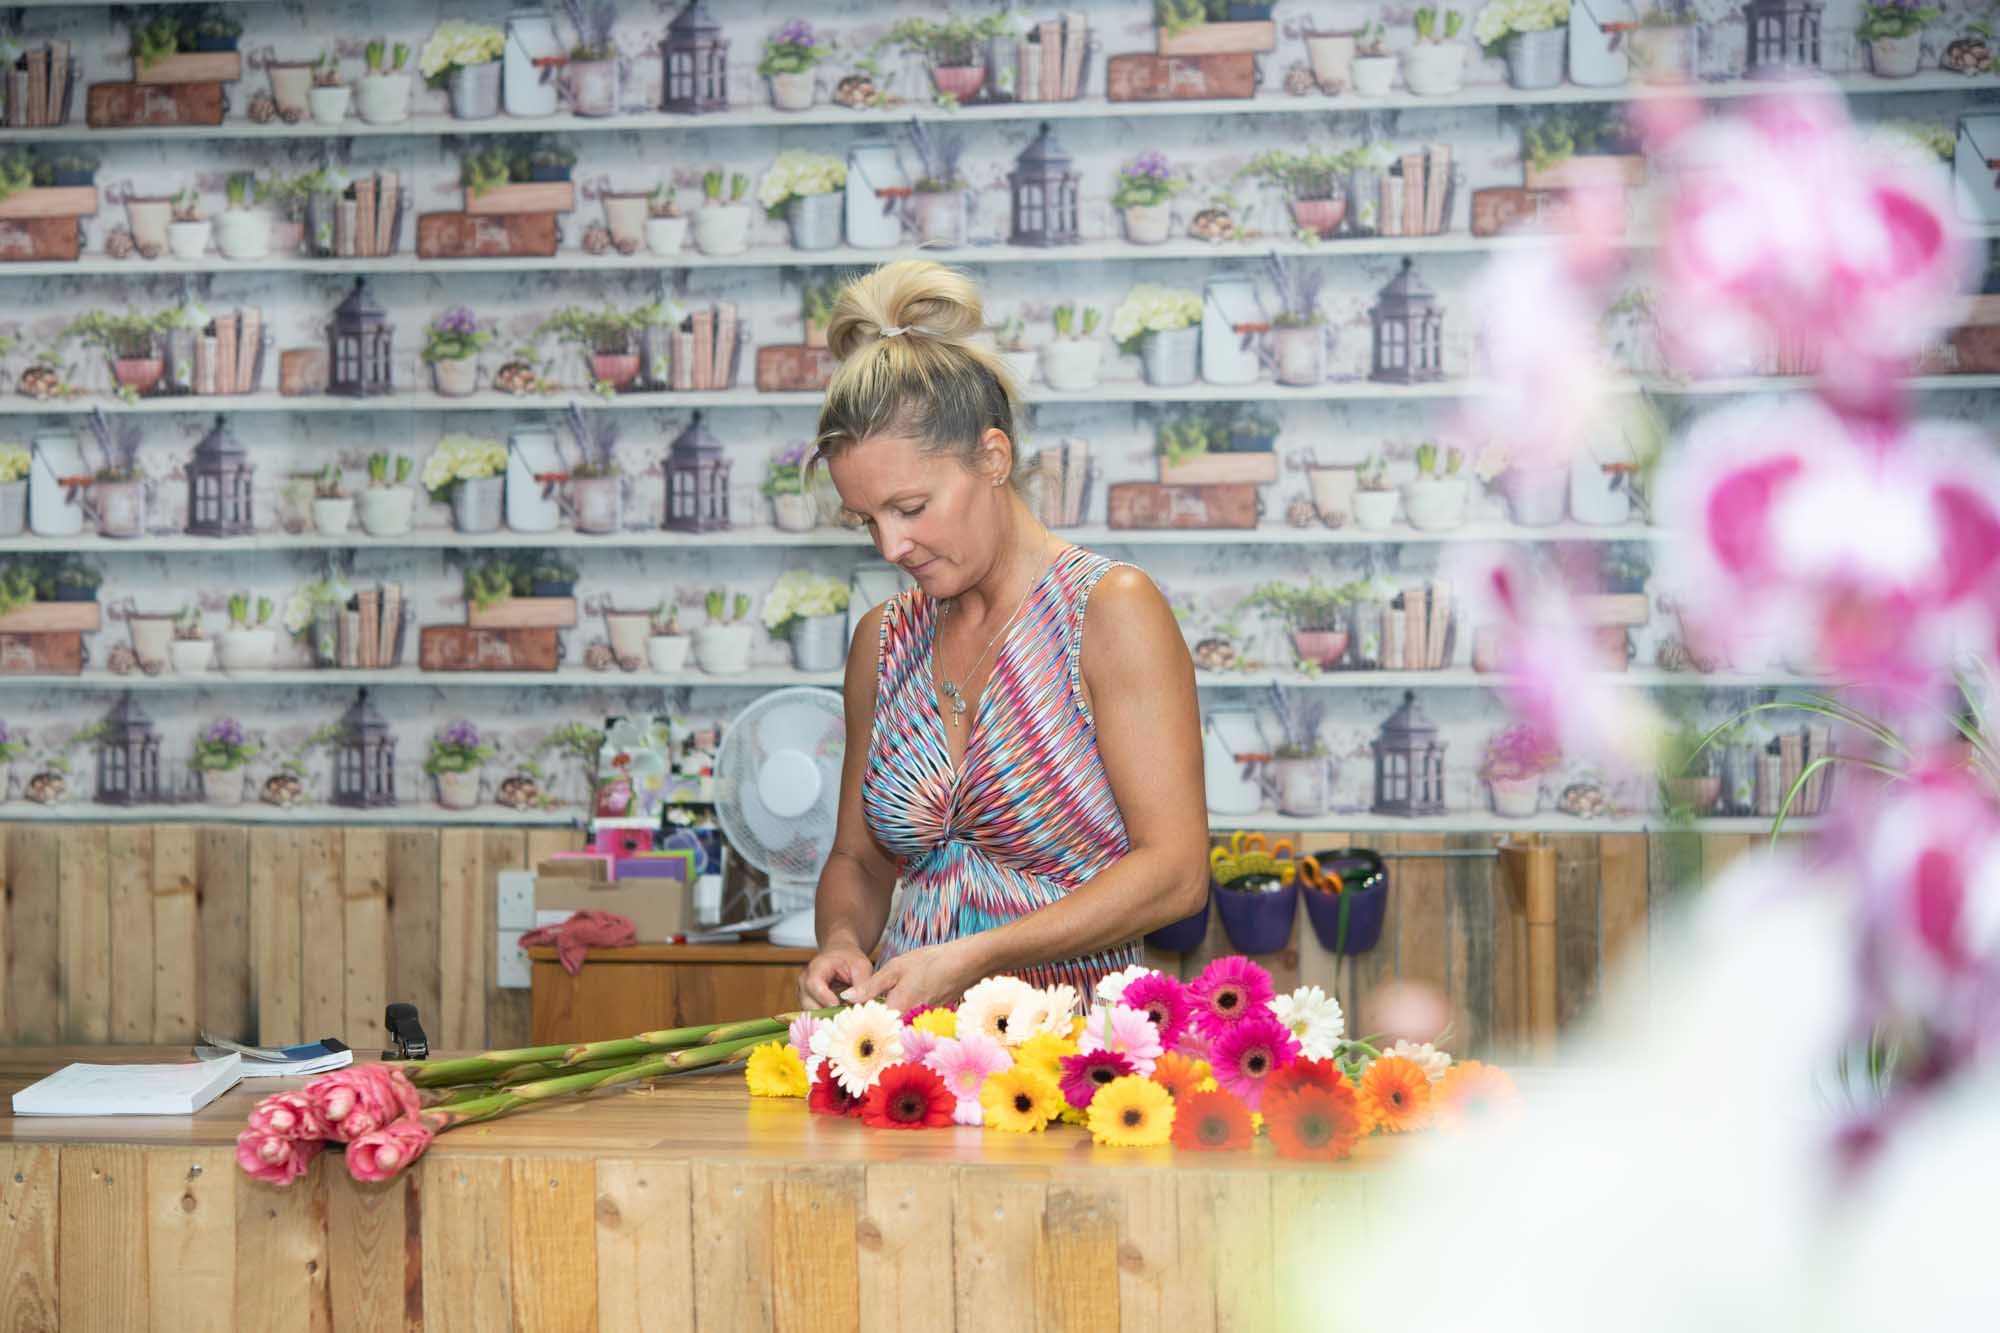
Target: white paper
[{"x": 178, "y": 1089}]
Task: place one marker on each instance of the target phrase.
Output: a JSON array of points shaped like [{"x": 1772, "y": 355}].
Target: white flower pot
[
  {"x": 1537, "y": 497},
  {"x": 385, "y": 510},
  {"x": 331, "y": 516},
  {"x": 383, "y": 99},
  {"x": 1148, "y": 224},
  {"x": 222, "y": 786},
  {"x": 191, "y": 657},
  {"x": 1071, "y": 365},
  {"x": 1374, "y": 76},
  {"x": 329, "y": 105},
  {"x": 722, "y": 650},
  {"x": 1437, "y": 504},
  {"x": 243, "y": 233},
  {"x": 722, "y": 229},
  {"x": 1434, "y": 69},
  {"x": 1302, "y": 785},
  {"x": 597, "y": 504},
  {"x": 792, "y": 92},
  {"x": 665, "y": 236},
  {"x": 188, "y": 240},
  {"x": 152, "y": 638},
  {"x": 456, "y": 377},
  {"x": 1375, "y": 511},
  {"x": 1896, "y": 57},
  {"x": 1593, "y": 496},
  {"x": 458, "y": 791},
  {"x": 1515, "y": 798},
  {"x": 792, "y": 513},
  {"x": 668, "y": 653},
  {"x": 248, "y": 649}
]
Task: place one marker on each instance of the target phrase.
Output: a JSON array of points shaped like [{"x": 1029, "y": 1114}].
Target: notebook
[
  {"x": 179, "y": 1089},
  {"x": 279, "y": 1061}
]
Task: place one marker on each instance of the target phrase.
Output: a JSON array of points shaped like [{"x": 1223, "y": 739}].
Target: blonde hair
[{"x": 909, "y": 366}]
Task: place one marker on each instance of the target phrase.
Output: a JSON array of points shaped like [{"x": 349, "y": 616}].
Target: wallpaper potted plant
[
  {"x": 1314, "y": 183},
  {"x": 131, "y": 343},
  {"x": 1533, "y": 35},
  {"x": 790, "y": 55},
  {"x": 1435, "y": 65},
  {"x": 152, "y": 634},
  {"x": 549, "y": 575},
  {"x": 594, "y": 482},
  {"x": 464, "y": 58},
  {"x": 666, "y": 225},
  {"x": 118, "y": 490},
  {"x": 312, "y": 617},
  {"x": 70, "y": 165},
  {"x": 1316, "y": 616},
  {"x": 806, "y": 190},
  {"x": 387, "y": 505},
  {"x": 816, "y": 302},
  {"x": 592, "y": 74},
  {"x": 469, "y": 471},
  {"x": 1512, "y": 769},
  {"x": 722, "y": 646},
  {"x": 953, "y": 50},
  {"x": 1374, "y": 68},
  {"x": 1010, "y": 337},
  {"x": 1330, "y": 56},
  {"x": 1663, "y": 45},
  {"x": 1146, "y": 187},
  {"x": 187, "y": 234},
  {"x": 330, "y": 96},
  {"x": 784, "y": 485},
  {"x": 216, "y": 29},
  {"x": 1437, "y": 499},
  {"x": 13, "y": 744},
  {"x": 667, "y": 646},
  {"x": 244, "y": 229},
  {"x": 938, "y": 193},
  {"x": 457, "y": 754},
  {"x": 249, "y": 644},
  {"x": 220, "y": 753},
  {"x": 304, "y": 204},
  {"x": 627, "y": 630},
  {"x": 1162, "y": 326},
  {"x": 146, "y": 217},
  {"x": 66, "y": 578},
  {"x": 1301, "y": 768},
  {"x": 1299, "y": 332},
  {"x": 625, "y": 214},
  {"x": 451, "y": 350},
  {"x": 1075, "y": 359},
  {"x": 383, "y": 96},
  {"x": 1895, "y": 36},
  {"x": 15, "y": 464},
  {"x": 332, "y": 506},
  {"x": 810, "y": 609},
  {"x": 609, "y": 337},
  {"x": 192, "y": 652},
  {"x": 723, "y": 228}
]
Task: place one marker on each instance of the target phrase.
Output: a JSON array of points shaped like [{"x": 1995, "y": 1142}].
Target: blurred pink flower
[
  {"x": 1126, "y": 1031},
  {"x": 288, "y": 1115},
  {"x": 382, "y": 1154},
  {"x": 360, "y": 1098},
  {"x": 276, "y": 1159}
]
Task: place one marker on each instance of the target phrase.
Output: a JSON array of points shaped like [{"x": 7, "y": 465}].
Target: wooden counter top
[{"x": 685, "y": 953}]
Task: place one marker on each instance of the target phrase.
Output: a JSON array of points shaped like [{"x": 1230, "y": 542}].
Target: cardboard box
[
  {"x": 470, "y": 236},
  {"x": 658, "y": 908},
  {"x": 47, "y": 239},
  {"x": 1150, "y": 78},
  {"x": 130, "y": 105}
]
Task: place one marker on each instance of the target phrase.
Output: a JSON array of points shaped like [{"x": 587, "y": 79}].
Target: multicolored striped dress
[{"x": 1030, "y": 815}]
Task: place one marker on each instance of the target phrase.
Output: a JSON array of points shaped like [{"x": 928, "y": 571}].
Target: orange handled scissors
[{"x": 1326, "y": 881}]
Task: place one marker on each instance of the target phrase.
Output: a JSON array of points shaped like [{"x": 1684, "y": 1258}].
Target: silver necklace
[{"x": 954, "y": 695}]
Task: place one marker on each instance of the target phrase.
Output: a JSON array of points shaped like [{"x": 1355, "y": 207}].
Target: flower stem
[{"x": 548, "y": 1089}]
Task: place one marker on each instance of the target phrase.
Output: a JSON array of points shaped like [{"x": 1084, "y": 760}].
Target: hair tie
[{"x": 895, "y": 330}]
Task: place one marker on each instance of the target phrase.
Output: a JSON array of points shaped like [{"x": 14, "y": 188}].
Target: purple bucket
[
  {"x": 1258, "y": 922},
  {"x": 1184, "y": 935},
  {"x": 1350, "y": 921}
]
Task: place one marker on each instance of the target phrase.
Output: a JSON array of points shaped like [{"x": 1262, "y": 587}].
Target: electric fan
[{"x": 777, "y": 788}]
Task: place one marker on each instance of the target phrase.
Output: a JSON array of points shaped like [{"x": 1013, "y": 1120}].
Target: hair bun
[{"x": 920, "y": 297}]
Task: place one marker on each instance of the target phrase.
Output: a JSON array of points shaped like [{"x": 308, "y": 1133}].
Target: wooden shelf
[
  {"x": 685, "y": 953},
  {"x": 81, "y": 810}
]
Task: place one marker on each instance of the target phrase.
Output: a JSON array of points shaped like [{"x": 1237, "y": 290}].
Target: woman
[{"x": 1023, "y": 741}]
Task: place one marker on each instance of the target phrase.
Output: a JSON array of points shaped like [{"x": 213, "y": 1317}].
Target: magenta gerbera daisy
[
  {"x": 1226, "y": 991},
  {"x": 1248, "y": 1051},
  {"x": 1164, "y": 1000},
  {"x": 1084, "y": 1073}
]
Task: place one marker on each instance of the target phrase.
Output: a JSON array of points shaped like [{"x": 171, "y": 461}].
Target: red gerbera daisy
[
  {"x": 1314, "y": 1123},
  {"x": 1250, "y": 1051},
  {"x": 1226, "y": 990},
  {"x": 1085, "y": 1073},
  {"x": 1304, "y": 1074},
  {"x": 1212, "y": 1121},
  {"x": 908, "y": 1096},
  {"x": 1164, "y": 1000},
  {"x": 827, "y": 1097}
]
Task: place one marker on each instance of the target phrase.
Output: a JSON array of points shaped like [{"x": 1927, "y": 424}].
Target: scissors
[
  {"x": 1251, "y": 854},
  {"x": 1325, "y": 881}
]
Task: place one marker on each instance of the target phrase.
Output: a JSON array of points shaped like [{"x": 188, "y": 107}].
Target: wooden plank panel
[
  {"x": 468, "y": 1264},
  {"x": 1621, "y": 904},
  {"x": 224, "y": 1001},
  {"x": 509, "y": 1013},
  {"x": 176, "y": 932},
  {"x": 732, "y": 1245},
  {"x": 1673, "y": 867},
  {"x": 191, "y": 1236},
  {"x": 1510, "y": 967},
  {"x": 465, "y": 934},
  {"x": 28, "y": 1181},
  {"x": 1576, "y": 925},
  {"x": 34, "y": 933},
  {"x": 365, "y": 936},
  {"x": 322, "y": 981},
  {"x": 996, "y": 1244},
  {"x": 815, "y": 1212},
  {"x": 553, "y": 1243},
  {"x": 278, "y": 947},
  {"x": 904, "y": 1260},
  {"x": 644, "y": 1246},
  {"x": 7, "y": 835},
  {"x": 1228, "y": 1215},
  {"x": 367, "y": 1265},
  {"x": 1158, "y": 1286},
  {"x": 129, "y": 868},
  {"x": 1366, "y": 971},
  {"x": 86, "y": 935},
  {"x": 101, "y": 1256},
  {"x": 1077, "y": 1277},
  {"x": 413, "y": 921},
  {"x": 1719, "y": 849},
  {"x": 1420, "y": 915},
  {"x": 1470, "y": 930},
  {"x": 1323, "y": 1214},
  {"x": 281, "y": 1252}
]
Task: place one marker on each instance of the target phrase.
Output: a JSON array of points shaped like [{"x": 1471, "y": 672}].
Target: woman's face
[{"x": 926, "y": 511}]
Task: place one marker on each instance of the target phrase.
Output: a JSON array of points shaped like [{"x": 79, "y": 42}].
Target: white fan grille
[{"x": 811, "y": 723}]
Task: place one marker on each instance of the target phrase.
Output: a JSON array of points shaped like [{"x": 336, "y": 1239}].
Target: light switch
[{"x": 517, "y": 900}]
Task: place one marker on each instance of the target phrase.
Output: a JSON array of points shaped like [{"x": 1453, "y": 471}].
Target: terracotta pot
[
  {"x": 1332, "y": 58},
  {"x": 629, "y": 631},
  {"x": 618, "y": 369},
  {"x": 139, "y": 373},
  {"x": 1322, "y": 647},
  {"x": 1695, "y": 794},
  {"x": 1322, "y": 217},
  {"x": 152, "y": 638},
  {"x": 960, "y": 81}
]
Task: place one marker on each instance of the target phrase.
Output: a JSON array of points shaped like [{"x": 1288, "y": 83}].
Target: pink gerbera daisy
[
  {"x": 918, "y": 1043},
  {"x": 1163, "y": 999},
  {"x": 963, "y": 1063},
  {"x": 1249, "y": 1050},
  {"x": 1126, "y": 1031},
  {"x": 801, "y": 1034},
  {"x": 1227, "y": 990},
  {"x": 1084, "y": 1074}
]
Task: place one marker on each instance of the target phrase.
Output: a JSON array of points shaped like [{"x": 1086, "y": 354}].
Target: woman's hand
[
  {"x": 937, "y": 974},
  {"x": 831, "y": 972}
]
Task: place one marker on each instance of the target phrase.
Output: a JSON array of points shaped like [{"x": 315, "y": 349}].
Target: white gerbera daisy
[
  {"x": 1048, "y": 1010},
  {"x": 860, "y": 1043},
  {"x": 1433, "y": 1061},
  {"x": 1111, "y": 989},
  {"x": 1314, "y": 1018},
  {"x": 988, "y": 1008}
]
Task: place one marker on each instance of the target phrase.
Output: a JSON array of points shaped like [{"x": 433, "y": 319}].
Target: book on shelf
[
  {"x": 1392, "y": 205},
  {"x": 722, "y": 362},
  {"x": 225, "y": 354},
  {"x": 392, "y": 625},
  {"x": 1413, "y": 194},
  {"x": 1075, "y": 37},
  {"x": 364, "y": 212},
  {"x": 1052, "y": 60},
  {"x": 249, "y": 333},
  {"x": 702, "y": 325},
  {"x": 1437, "y": 184},
  {"x": 385, "y": 213},
  {"x": 1028, "y": 61},
  {"x": 348, "y": 653},
  {"x": 683, "y": 368}
]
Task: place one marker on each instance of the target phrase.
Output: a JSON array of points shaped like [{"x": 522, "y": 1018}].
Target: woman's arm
[
  {"x": 1139, "y": 683},
  {"x": 855, "y": 885}
]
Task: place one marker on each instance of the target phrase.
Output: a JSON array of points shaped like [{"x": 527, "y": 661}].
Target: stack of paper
[
  {"x": 278, "y": 1061},
  {"x": 130, "y": 1089}
]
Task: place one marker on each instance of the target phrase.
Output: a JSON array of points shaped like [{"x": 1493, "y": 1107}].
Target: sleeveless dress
[{"x": 1031, "y": 814}]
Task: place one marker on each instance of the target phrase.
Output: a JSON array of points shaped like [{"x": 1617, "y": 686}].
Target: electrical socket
[
  {"x": 513, "y": 972},
  {"x": 517, "y": 900}
]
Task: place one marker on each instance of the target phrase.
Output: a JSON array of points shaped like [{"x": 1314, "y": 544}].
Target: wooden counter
[
  {"x": 641, "y": 987},
  {"x": 689, "y": 1206}
]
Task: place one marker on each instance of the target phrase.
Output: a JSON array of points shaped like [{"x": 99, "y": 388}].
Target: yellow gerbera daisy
[
  {"x": 775, "y": 1070},
  {"x": 1069, "y": 1115},
  {"x": 1132, "y": 1112},
  {"x": 937, "y": 1022},
  {"x": 1042, "y": 1055},
  {"x": 1019, "y": 1100}
]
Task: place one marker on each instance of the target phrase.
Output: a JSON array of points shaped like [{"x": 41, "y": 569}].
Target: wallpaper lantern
[
  {"x": 697, "y": 482},
  {"x": 364, "y": 758},
  {"x": 219, "y": 485},
  {"x": 1408, "y": 326},
  {"x": 1784, "y": 37},
  {"x": 128, "y": 757},
  {"x": 1044, "y": 182},
  {"x": 358, "y": 360},
  {"x": 697, "y": 56},
  {"x": 1409, "y": 763}
]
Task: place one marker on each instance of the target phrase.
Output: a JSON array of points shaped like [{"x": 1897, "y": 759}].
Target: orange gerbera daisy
[
  {"x": 1314, "y": 1122},
  {"x": 1179, "y": 1075},
  {"x": 1212, "y": 1121},
  {"x": 1471, "y": 1092},
  {"x": 1396, "y": 1095}
]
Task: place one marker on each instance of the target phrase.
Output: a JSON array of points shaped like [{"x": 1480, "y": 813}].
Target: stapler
[{"x": 406, "y": 1032}]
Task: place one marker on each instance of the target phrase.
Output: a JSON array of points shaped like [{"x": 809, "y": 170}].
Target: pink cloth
[{"x": 583, "y": 931}]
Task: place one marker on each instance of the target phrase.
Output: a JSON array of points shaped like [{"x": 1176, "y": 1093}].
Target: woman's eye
[{"x": 911, "y": 513}]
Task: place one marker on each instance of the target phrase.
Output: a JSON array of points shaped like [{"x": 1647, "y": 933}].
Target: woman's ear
[{"x": 995, "y": 457}]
